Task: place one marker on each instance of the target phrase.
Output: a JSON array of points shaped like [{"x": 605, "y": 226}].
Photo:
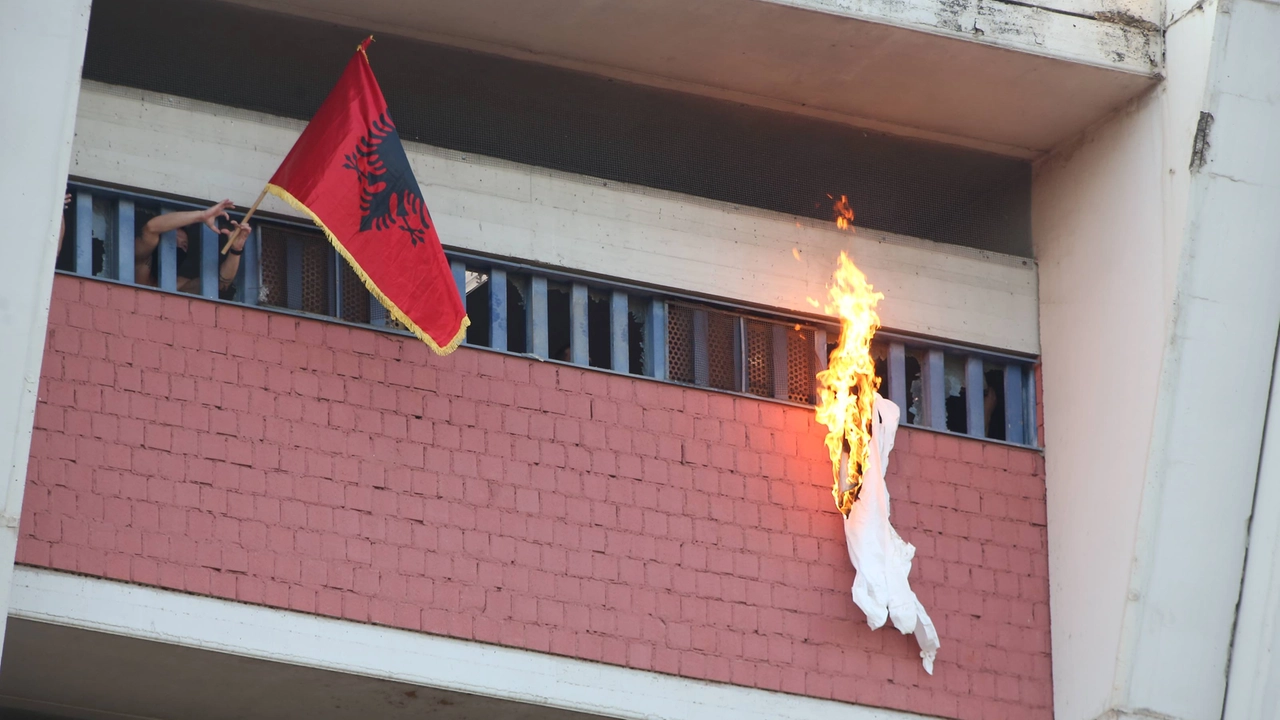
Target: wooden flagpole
[{"x": 244, "y": 221}]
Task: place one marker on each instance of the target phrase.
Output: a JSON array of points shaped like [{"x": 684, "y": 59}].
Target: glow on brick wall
[{"x": 861, "y": 426}]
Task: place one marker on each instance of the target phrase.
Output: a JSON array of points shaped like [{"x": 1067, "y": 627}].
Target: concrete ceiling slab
[
  {"x": 1010, "y": 78},
  {"x": 62, "y": 672}
]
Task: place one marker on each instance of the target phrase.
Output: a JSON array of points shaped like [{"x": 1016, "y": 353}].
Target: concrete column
[
  {"x": 1202, "y": 467},
  {"x": 1157, "y": 245},
  {"x": 1253, "y": 680},
  {"x": 41, "y": 49}
]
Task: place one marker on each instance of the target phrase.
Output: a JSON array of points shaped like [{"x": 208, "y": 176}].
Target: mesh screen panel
[
  {"x": 316, "y": 254},
  {"x": 355, "y": 299},
  {"x": 273, "y": 268},
  {"x": 759, "y": 358},
  {"x": 680, "y": 343},
  {"x": 722, "y": 351},
  {"x": 802, "y": 366},
  {"x": 570, "y": 121}
]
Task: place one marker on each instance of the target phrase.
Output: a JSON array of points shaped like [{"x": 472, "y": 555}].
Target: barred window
[
  {"x": 557, "y": 315},
  {"x": 742, "y": 353}
]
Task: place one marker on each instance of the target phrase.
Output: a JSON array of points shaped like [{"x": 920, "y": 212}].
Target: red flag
[{"x": 349, "y": 172}]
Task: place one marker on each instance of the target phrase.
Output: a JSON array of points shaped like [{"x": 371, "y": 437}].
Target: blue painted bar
[
  {"x": 935, "y": 390},
  {"x": 781, "y": 378},
  {"x": 210, "y": 247},
  {"x": 498, "y": 309},
  {"x": 1031, "y": 429},
  {"x": 82, "y": 235},
  {"x": 339, "y": 285},
  {"x": 579, "y": 350},
  {"x": 293, "y": 272},
  {"x": 655, "y": 344},
  {"x": 249, "y": 277},
  {"x": 701, "y": 361},
  {"x": 619, "y": 332},
  {"x": 1013, "y": 404},
  {"x": 537, "y": 339},
  {"x": 975, "y": 415},
  {"x": 334, "y": 280},
  {"x": 125, "y": 239},
  {"x": 459, "y": 269},
  {"x": 165, "y": 266},
  {"x": 898, "y": 375}
]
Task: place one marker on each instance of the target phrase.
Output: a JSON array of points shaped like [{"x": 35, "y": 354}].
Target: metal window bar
[
  {"x": 701, "y": 365},
  {"x": 121, "y": 259},
  {"x": 781, "y": 366},
  {"x": 166, "y": 264},
  {"x": 83, "y": 236},
  {"x": 579, "y": 350},
  {"x": 933, "y": 377},
  {"x": 498, "y": 309},
  {"x": 537, "y": 325},
  {"x": 656, "y": 359},
  {"x": 333, "y": 277},
  {"x": 975, "y": 394},
  {"x": 1014, "y": 425},
  {"x": 1030, "y": 419},
  {"x": 210, "y": 257},
  {"x": 619, "y": 332}
]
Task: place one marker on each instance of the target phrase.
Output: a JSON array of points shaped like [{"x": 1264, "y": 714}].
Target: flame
[
  {"x": 846, "y": 389},
  {"x": 844, "y": 213},
  {"x": 795, "y": 253}
]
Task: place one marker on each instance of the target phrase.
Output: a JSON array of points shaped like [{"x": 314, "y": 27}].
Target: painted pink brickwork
[{"x": 308, "y": 465}]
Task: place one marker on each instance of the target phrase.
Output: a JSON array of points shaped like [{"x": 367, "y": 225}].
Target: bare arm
[
  {"x": 172, "y": 221},
  {"x": 231, "y": 265}
]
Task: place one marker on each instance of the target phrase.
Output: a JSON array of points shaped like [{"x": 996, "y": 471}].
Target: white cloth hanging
[{"x": 880, "y": 556}]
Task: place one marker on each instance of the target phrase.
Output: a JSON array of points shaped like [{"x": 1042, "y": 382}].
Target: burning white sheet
[{"x": 880, "y": 556}]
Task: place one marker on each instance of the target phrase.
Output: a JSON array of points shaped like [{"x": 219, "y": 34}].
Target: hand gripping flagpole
[{"x": 244, "y": 221}]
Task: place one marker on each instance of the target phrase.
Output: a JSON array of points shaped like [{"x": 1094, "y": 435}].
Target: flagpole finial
[{"x": 364, "y": 45}]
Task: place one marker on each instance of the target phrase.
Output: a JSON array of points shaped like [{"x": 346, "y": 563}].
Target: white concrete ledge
[
  {"x": 195, "y": 149},
  {"x": 416, "y": 658}
]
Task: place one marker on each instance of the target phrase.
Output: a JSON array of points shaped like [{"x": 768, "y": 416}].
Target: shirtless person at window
[{"x": 145, "y": 244}]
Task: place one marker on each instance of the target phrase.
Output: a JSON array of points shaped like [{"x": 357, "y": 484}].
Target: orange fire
[
  {"x": 846, "y": 389},
  {"x": 844, "y": 213}
]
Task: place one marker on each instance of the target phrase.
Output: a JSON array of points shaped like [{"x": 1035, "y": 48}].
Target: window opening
[
  {"x": 637, "y": 309},
  {"x": 558, "y": 340},
  {"x": 478, "y": 307},
  {"x": 598, "y": 330},
  {"x": 517, "y": 313}
]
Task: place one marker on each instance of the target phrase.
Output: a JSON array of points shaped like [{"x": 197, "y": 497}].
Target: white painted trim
[
  {"x": 195, "y": 149},
  {"x": 410, "y": 657}
]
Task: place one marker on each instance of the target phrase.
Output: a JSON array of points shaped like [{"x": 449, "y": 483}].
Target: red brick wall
[{"x": 301, "y": 464}]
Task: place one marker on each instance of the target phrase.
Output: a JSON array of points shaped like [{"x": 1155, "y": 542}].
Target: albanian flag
[{"x": 349, "y": 172}]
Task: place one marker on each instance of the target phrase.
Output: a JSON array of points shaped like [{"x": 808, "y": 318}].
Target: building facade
[{"x": 614, "y": 499}]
